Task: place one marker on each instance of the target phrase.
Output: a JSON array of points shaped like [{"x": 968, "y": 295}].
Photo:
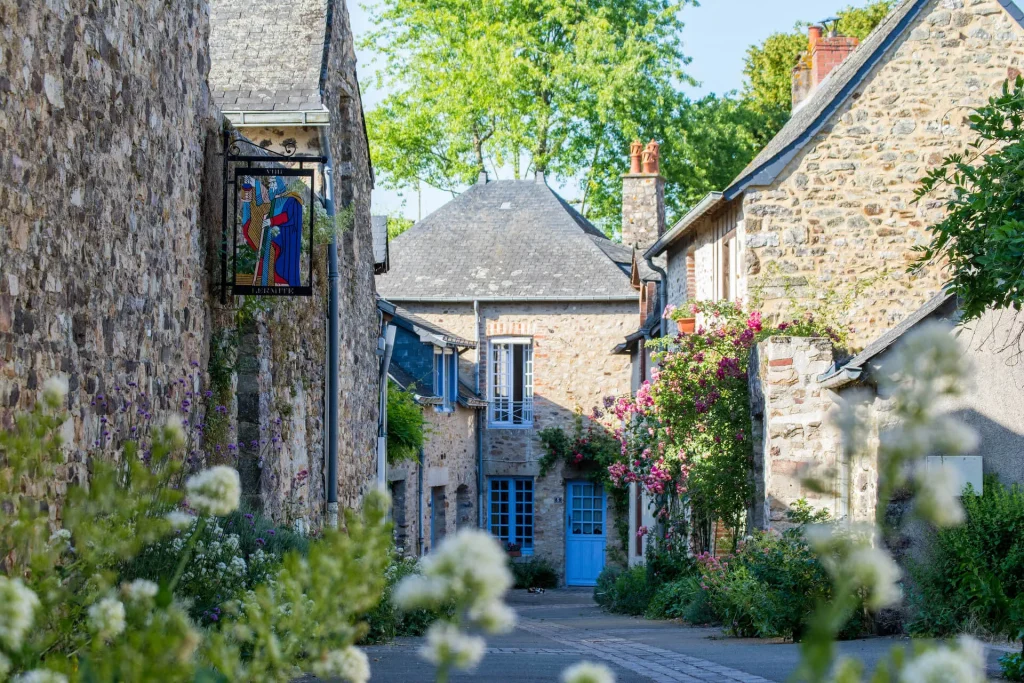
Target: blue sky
[{"x": 716, "y": 36}]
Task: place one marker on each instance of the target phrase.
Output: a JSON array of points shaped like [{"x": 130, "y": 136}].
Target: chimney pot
[
  {"x": 482, "y": 178},
  {"x": 813, "y": 36},
  {"x": 651, "y": 155},
  {"x": 539, "y": 178},
  {"x": 636, "y": 149}
]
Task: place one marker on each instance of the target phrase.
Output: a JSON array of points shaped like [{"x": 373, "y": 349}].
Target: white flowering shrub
[
  {"x": 926, "y": 367},
  {"x": 71, "y": 611},
  {"x": 468, "y": 573}
]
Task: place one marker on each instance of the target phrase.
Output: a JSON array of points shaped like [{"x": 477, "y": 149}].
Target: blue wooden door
[{"x": 585, "y": 533}]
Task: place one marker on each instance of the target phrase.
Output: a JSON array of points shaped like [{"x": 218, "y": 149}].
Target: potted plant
[
  {"x": 686, "y": 325},
  {"x": 514, "y": 549}
]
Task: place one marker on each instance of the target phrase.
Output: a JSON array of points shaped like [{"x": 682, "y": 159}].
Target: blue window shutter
[{"x": 438, "y": 374}]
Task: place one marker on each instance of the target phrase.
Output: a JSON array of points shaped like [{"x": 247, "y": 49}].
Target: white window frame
[
  {"x": 500, "y": 367},
  {"x": 447, "y": 402}
]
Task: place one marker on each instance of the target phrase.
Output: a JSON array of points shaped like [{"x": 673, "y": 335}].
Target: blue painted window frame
[
  {"x": 446, "y": 378},
  {"x": 514, "y": 524}
]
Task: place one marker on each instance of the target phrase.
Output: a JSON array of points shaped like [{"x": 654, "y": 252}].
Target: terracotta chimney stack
[
  {"x": 635, "y": 150},
  {"x": 824, "y": 53}
]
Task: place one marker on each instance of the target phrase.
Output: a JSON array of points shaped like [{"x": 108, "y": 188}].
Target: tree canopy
[
  {"x": 559, "y": 87},
  {"x": 535, "y": 85}
]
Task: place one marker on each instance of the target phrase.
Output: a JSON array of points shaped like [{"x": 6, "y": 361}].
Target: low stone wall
[{"x": 793, "y": 435}]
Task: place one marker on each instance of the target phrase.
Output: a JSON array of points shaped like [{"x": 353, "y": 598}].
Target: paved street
[{"x": 562, "y": 627}]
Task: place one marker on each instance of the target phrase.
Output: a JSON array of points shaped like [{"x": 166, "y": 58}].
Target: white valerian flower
[
  {"x": 179, "y": 520},
  {"x": 174, "y": 431},
  {"x": 874, "y": 570},
  {"x": 140, "y": 589},
  {"x": 416, "y": 591},
  {"x": 938, "y": 496},
  {"x": 106, "y": 618},
  {"x": 350, "y": 664},
  {"x": 927, "y": 363},
  {"x": 60, "y": 537},
  {"x": 588, "y": 672},
  {"x": 952, "y": 437},
  {"x": 493, "y": 617},
  {"x": 472, "y": 564},
  {"x": 448, "y": 646},
  {"x": 5, "y": 666},
  {"x": 18, "y": 605},
  {"x": 216, "y": 491},
  {"x": 964, "y": 663},
  {"x": 55, "y": 390},
  {"x": 40, "y": 676}
]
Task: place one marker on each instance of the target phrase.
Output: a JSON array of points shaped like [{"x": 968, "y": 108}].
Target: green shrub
[
  {"x": 627, "y": 593},
  {"x": 769, "y": 588},
  {"x": 974, "y": 575},
  {"x": 534, "y": 572},
  {"x": 385, "y": 622},
  {"x": 1012, "y": 666}
]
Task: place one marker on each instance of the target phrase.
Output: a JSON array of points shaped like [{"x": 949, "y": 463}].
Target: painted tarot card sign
[{"x": 273, "y": 236}]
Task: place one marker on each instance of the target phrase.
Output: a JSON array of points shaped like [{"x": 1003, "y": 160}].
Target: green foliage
[
  {"x": 1012, "y": 666},
  {"x": 801, "y": 512},
  {"x": 385, "y": 621},
  {"x": 267, "y": 633},
  {"x": 397, "y": 225},
  {"x": 682, "y": 599},
  {"x": 769, "y": 588},
  {"x": 534, "y": 572},
  {"x": 975, "y": 573},
  {"x": 981, "y": 239},
  {"x": 591, "y": 448},
  {"x": 534, "y": 86},
  {"x": 325, "y": 229},
  {"x": 405, "y": 425},
  {"x": 624, "y": 591}
]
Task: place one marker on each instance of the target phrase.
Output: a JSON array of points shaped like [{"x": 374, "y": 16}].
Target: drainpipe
[
  {"x": 332, "y": 341},
  {"x": 419, "y": 503},
  {"x": 480, "y": 416},
  {"x": 662, "y": 291},
  {"x": 382, "y": 422}
]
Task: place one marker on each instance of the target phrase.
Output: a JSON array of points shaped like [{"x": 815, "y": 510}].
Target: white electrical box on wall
[{"x": 967, "y": 468}]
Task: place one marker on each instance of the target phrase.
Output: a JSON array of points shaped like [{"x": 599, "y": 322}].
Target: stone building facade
[
  {"x": 110, "y": 270},
  {"x": 544, "y": 297},
  {"x": 828, "y": 204}
]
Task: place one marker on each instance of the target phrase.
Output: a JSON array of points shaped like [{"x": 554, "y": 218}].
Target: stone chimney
[
  {"x": 824, "y": 53},
  {"x": 643, "y": 197}
]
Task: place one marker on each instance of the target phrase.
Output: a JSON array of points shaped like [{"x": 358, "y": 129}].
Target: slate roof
[
  {"x": 506, "y": 240},
  {"x": 267, "y": 55},
  {"x": 943, "y": 303},
  {"x": 812, "y": 114}
]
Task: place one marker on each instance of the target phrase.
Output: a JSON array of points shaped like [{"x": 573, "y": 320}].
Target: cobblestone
[{"x": 653, "y": 662}]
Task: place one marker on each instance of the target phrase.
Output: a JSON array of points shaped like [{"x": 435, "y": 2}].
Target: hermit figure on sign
[{"x": 272, "y": 228}]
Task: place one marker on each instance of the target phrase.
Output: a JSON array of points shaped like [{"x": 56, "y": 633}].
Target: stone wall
[
  {"x": 112, "y": 216},
  {"x": 449, "y": 462},
  {"x": 104, "y": 110},
  {"x": 573, "y": 369},
  {"x": 842, "y": 210},
  {"x": 793, "y": 435},
  {"x": 643, "y": 209},
  {"x": 358, "y": 385}
]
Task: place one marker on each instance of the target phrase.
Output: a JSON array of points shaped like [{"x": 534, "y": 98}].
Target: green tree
[
  {"x": 397, "y": 225},
  {"x": 531, "y": 85},
  {"x": 981, "y": 240},
  {"x": 769, "y": 66}
]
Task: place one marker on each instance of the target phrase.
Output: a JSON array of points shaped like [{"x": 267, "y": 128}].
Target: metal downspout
[
  {"x": 332, "y": 340},
  {"x": 419, "y": 503},
  {"x": 480, "y": 416},
  {"x": 662, "y": 291},
  {"x": 382, "y": 422}
]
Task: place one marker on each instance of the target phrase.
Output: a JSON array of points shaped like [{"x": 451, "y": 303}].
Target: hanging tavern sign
[
  {"x": 270, "y": 203},
  {"x": 273, "y": 231}
]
